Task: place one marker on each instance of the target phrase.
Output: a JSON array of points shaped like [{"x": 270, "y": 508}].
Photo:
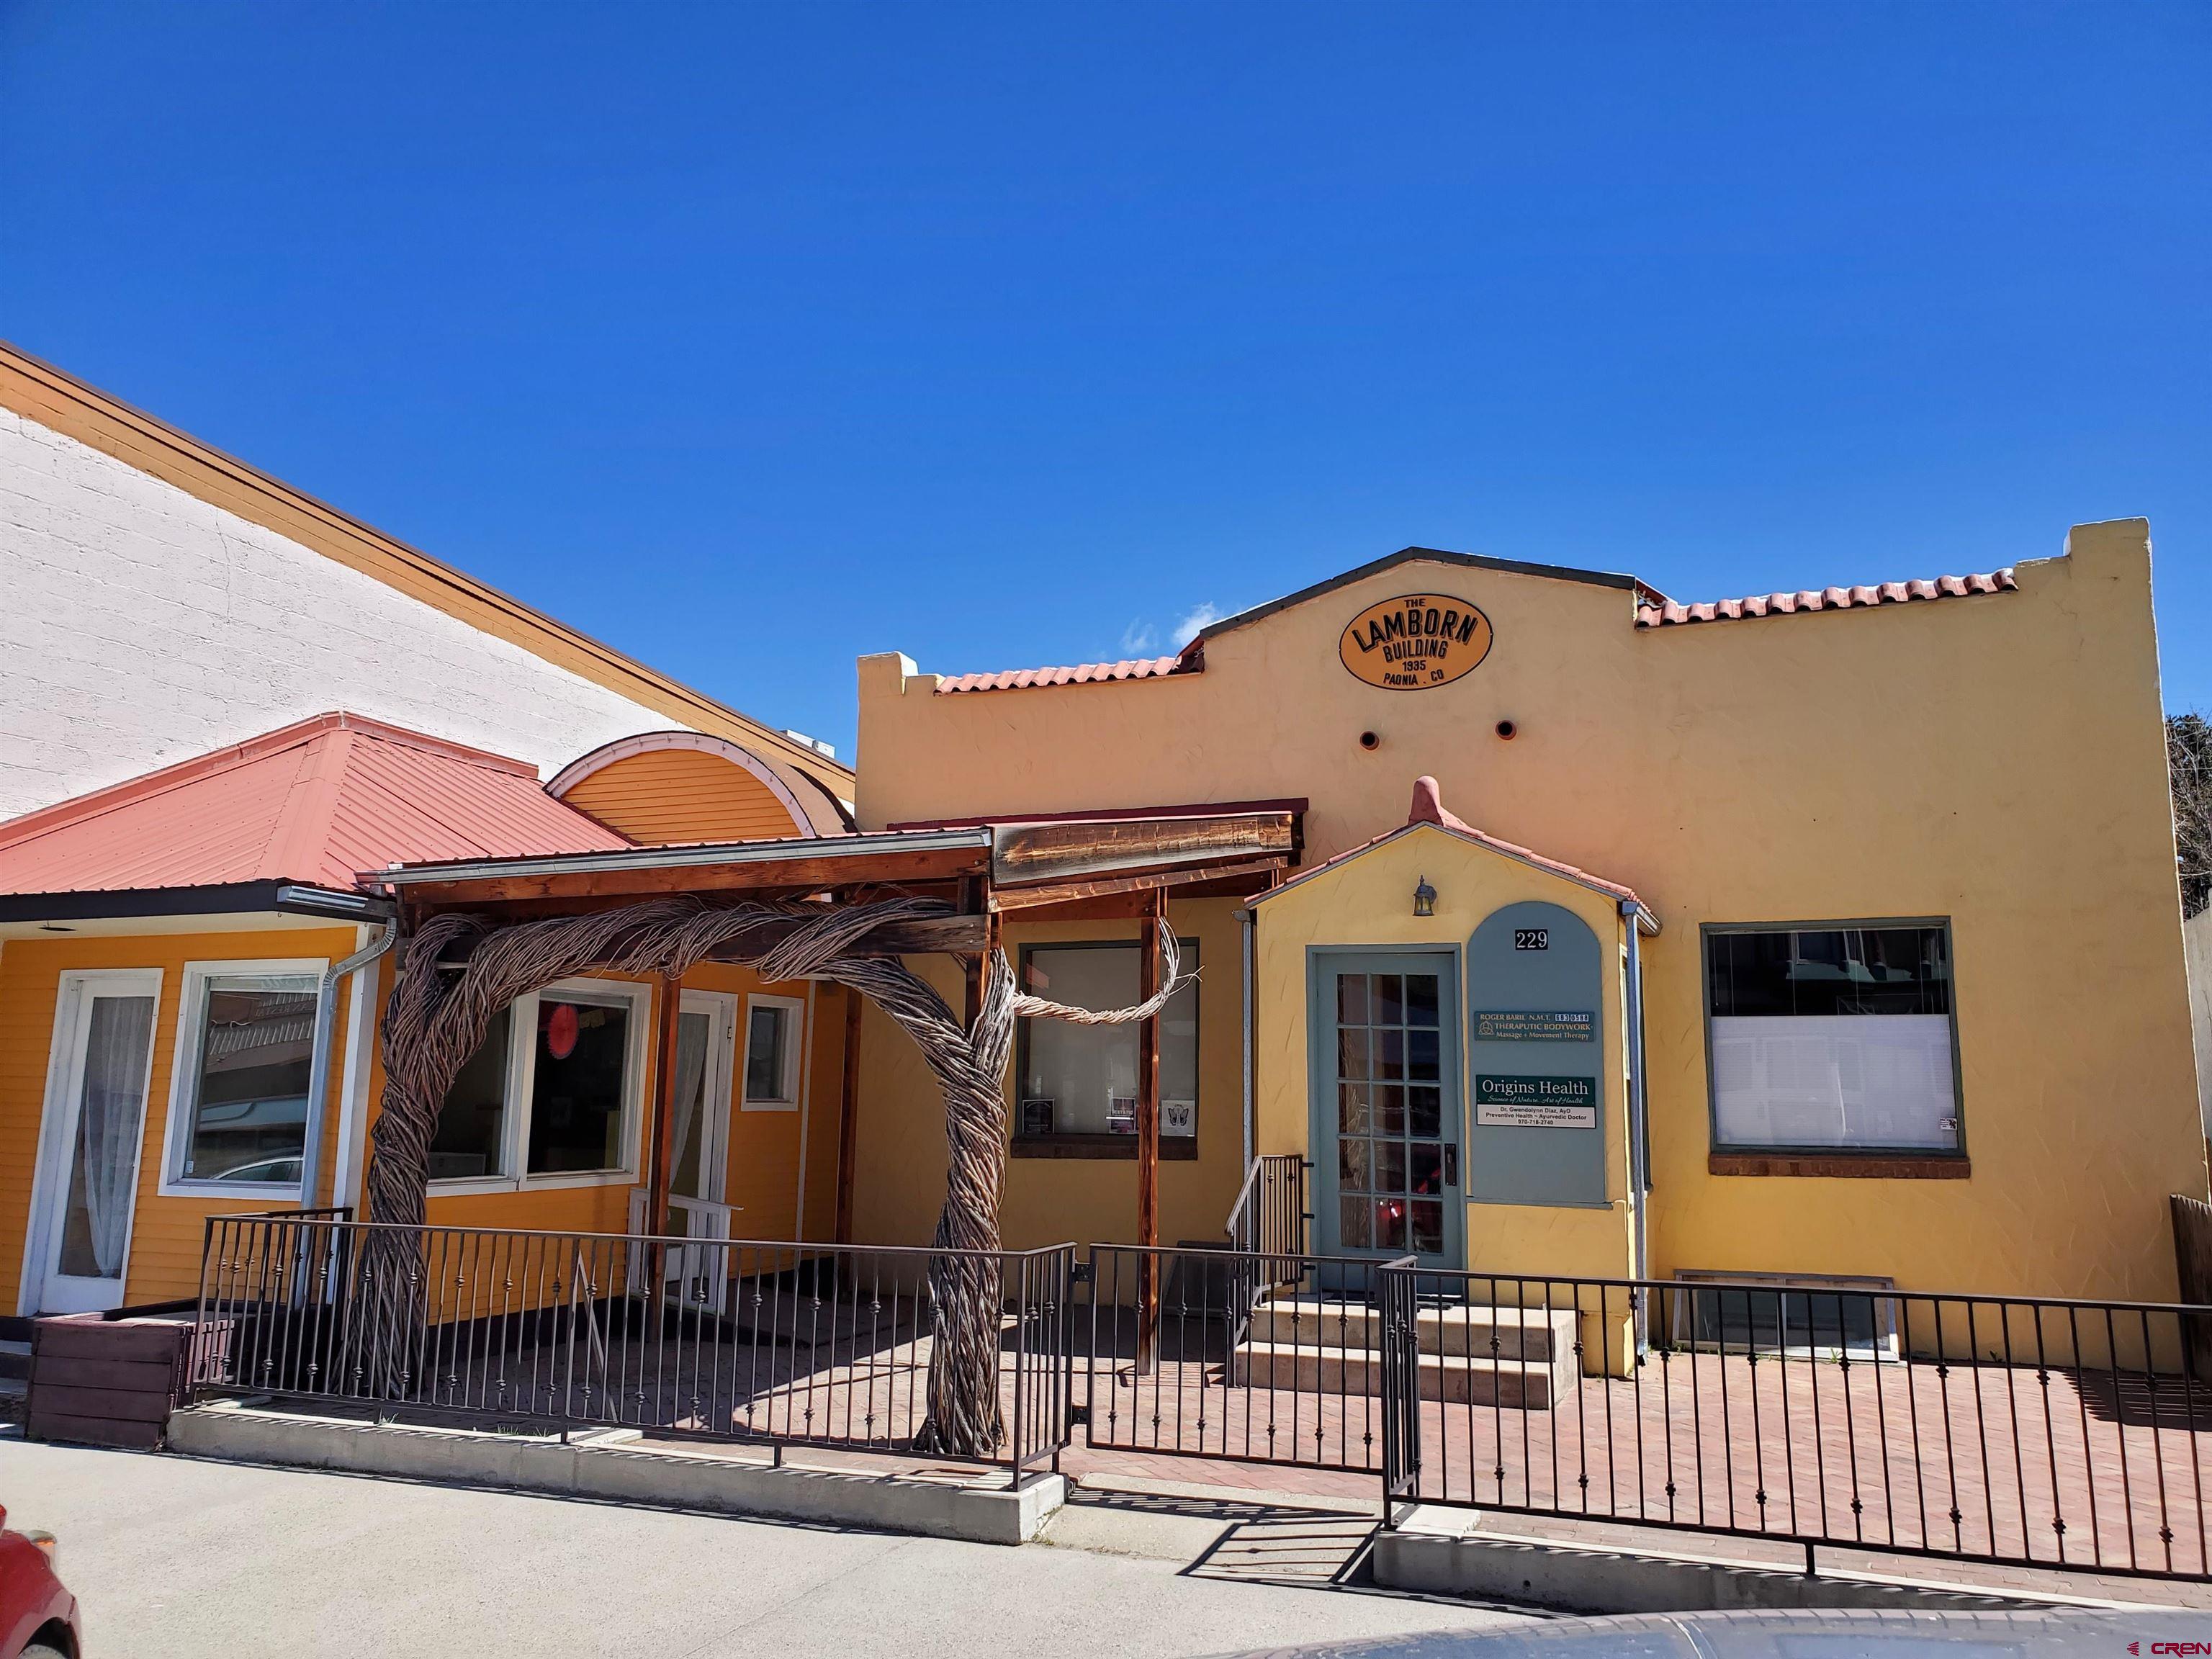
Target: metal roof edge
[
  {"x": 679, "y": 857},
  {"x": 273, "y": 895}
]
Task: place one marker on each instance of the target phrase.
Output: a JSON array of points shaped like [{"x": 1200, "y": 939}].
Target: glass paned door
[
  {"x": 96, "y": 1122},
  {"x": 1387, "y": 1106}
]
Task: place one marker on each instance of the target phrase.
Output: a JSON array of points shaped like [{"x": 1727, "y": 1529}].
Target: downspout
[
  {"x": 319, "y": 1071},
  {"x": 1639, "y": 1173},
  {"x": 1250, "y": 918}
]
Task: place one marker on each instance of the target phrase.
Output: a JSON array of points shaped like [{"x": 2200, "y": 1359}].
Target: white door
[
  {"x": 93, "y": 1125},
  {"x": 699, "y": 1141},
  {"x": 706, "y": 1041}
]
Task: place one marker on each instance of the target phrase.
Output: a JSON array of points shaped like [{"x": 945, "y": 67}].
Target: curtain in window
[
  {"x": 111, "y": 1116},
  {"x": 692, "y": 1031}
]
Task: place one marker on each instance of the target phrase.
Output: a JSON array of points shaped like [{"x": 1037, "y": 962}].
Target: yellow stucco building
[{"x": 1856, "y": 908}]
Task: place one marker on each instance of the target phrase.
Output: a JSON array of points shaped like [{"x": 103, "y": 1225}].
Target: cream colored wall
[
  {"x": 1368, "y": 900},
  {"x": 1997, "y": 760},
  {"x": 900, "y": 1160}
]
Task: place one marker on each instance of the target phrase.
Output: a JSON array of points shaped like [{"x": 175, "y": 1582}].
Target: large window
[
  {"x": 1078, "y": 1083},
  {"x": 239, "y": 1116},
  {"x": 551, "y": 1093},
  {"x": 1833, "y": 1038}
]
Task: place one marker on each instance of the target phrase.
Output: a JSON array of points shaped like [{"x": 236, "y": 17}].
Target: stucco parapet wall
[{"x": 972, "y": 1504}]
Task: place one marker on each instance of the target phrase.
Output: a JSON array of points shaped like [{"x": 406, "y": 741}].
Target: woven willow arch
[{"x": 437, "y": 1018}]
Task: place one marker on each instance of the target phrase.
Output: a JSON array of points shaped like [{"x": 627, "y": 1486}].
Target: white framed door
[
  {"x": 92, "y": 1133},
  {"x": 706, "y": 1059},
  {"x": 699, "y": 1140}
]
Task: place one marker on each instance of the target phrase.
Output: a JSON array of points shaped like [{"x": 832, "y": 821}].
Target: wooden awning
[{"x": 1067, "y": 868}]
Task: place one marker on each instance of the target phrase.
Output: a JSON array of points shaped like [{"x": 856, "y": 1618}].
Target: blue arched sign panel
[{"x": 1535, "y": 1025}]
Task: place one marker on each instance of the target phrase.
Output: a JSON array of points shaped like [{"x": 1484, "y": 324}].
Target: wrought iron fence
[
  {"x": 719, "y": 1339},
  {"x": 1249, "y": 1356},
  {"x": 2006, "y": 1430},
  {"x": 2011, "y": 1430},
  {"x": 1269, "y": 1217}
]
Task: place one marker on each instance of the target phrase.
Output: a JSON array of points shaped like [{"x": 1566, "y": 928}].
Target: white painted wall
[
  {"x": 141, "y": 626},
  {"x": 2196, "y": 942}
]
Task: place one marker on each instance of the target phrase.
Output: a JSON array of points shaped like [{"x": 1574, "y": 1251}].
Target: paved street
[{"x": 173, "y": 1558}]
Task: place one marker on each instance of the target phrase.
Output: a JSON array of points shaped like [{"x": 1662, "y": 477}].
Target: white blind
[{"x": 1865, "y": 1081}]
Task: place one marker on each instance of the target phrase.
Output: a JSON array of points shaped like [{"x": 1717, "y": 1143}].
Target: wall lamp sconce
[{"x": 1424, "y": 899}]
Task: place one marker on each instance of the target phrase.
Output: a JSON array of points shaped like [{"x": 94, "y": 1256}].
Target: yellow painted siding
[
  {"x": 667, "y": 795},
  {"x": 166, "y": 1233},
  {"x": 900, "y": 1158}
]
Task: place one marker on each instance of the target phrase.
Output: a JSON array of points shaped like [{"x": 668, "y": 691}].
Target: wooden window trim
[
  {"x": 1173, "y": 1148},
  {"x": 1873, "y": 1166}
]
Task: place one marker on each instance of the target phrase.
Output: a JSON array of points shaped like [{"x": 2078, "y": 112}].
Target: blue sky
[{"x": 750, "y": 339}]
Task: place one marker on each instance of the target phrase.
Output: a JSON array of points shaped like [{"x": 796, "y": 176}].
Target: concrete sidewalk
[{"x": 174, "y": 1557}]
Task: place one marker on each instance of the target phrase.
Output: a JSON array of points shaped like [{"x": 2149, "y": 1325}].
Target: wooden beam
[
  {"x": 1148, "y": 1131},
  {"x": 956, "y": 935},
  {"x": 1071, "y": 851},
  {"x": 1261, "y": 872},
  {"x": 849, "y": 1115},
  {"x": 670, "y": 1001},
  {"x": 737, "y": 875}
]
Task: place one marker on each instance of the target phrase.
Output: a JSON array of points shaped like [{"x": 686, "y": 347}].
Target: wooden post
[
  {"x": 1148, "y": 1129},
  {"x": 849, "y": 1115},
  {"x": 663, "y": 1122},
  {"x": 664, "y": 1106}
]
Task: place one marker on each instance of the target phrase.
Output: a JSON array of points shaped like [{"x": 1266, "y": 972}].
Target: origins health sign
[{"x": 1415, "y": 643}]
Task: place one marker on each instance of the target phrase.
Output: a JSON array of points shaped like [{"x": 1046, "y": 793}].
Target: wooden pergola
[{"x": 847, "y": 910}]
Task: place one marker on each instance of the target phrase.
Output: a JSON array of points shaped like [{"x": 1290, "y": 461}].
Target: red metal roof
[
  {"x": 1139, "y": 668},
  {"x": 314, "y": 802},
  {"x": 1825, "y": 598}
]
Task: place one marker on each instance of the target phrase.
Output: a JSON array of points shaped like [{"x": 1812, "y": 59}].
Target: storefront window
[
  {"x": 472, "y": 1124},
  {"x": 253, "y": 1047},
  {"x": 1833, "y": 1038},
  {"x": 577, "y": 1086},
  {"x": 1081, "y": 1080},
  {"x": 552, "y": 1089}
]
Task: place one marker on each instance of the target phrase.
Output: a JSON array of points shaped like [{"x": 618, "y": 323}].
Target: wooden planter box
[{"x": 110, "y": 1380}]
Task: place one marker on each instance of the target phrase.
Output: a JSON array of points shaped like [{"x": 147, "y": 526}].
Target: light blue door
[{"x": 1386, "y": 1107}]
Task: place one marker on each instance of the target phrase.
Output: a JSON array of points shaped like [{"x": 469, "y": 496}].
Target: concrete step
[
  {"x": 14, "y": 1358},
  {"x": 1483, "y": 1332},
  {"x": 1458, "y": 1379}
]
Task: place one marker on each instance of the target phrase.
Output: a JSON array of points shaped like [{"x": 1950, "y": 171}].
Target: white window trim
[
  {"x": 183, "y": 1078},
  {"x": 794, "y": 1054},
  {"x": 74, "y": 992},
  {"x": 521, "y": 1079}
]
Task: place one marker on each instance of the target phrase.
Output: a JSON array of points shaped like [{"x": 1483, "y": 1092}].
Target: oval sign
[{"x": 1415, "y": 643}]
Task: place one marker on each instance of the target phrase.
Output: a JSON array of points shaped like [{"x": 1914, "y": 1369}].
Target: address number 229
[{"x": 1531, "y": 939}]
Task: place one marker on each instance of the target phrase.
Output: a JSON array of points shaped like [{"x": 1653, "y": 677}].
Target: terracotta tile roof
[
  {"x": 314, "y": 802},
  {"x": 1138, "y": 668},
  {"x": 1825, "y": 598}
]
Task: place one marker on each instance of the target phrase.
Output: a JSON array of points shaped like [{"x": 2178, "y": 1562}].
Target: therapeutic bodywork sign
[
  {"x": 1536, "y": 985},
  {"x": 1535, "y": 1025}
]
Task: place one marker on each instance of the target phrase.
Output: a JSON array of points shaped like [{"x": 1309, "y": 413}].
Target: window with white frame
[
  {"x": 775, "y": 1030},
  {"x": 239, "y": 1112},
  {"x": 551, "y": 1095},
  {"x": 1836, "y": 1038}
]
